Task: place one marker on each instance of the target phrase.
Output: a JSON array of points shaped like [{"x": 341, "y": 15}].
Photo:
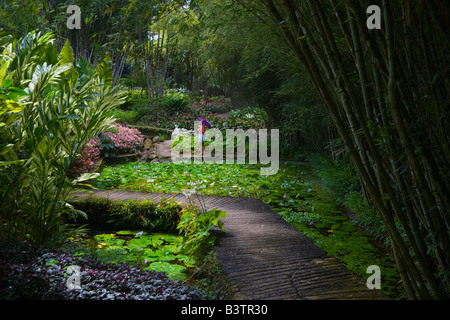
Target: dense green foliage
[
  {"x": 52, "y": 110},
  {"x": 309, "y": 68},
  {"x": 341, "y": 181},
  {"x": 188, "y": 227},
  {"x": 154, "y": 252},
  {"x": 147, "y": 214}
]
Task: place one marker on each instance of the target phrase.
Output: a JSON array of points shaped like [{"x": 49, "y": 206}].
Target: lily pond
[{"x": 151, "y": 251}]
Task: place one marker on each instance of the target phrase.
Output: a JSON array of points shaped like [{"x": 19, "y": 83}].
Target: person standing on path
[
  {"x": 201, "y": 138},
  {"x": 201, "y": 133}
]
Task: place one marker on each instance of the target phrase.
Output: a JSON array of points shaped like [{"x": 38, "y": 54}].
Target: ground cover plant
[
  {"x": 298, "y": 200},
  {"x": 27, "y": 272}
]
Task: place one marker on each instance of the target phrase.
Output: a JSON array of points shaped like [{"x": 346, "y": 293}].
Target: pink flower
[{"x": 284, "y": 196}]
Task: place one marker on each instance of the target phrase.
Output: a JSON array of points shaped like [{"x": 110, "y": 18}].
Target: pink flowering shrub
[
  {"x": 90, "y": 154},
  {"x": 126, "y": 140}
]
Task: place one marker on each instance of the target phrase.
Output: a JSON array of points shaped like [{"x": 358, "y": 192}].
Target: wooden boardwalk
[{"x": 264, "y": 257}]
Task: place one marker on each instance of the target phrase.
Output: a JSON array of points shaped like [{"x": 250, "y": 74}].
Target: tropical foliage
[
  {"x": 49, "y": 113},
  {"x": 153, "y": 252},
  {"x": 373, "y": 101}
]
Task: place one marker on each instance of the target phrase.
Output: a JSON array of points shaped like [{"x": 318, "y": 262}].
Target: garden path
[
  {"x": 264, "y": 257},
  {"x": 163, "y": 149}
]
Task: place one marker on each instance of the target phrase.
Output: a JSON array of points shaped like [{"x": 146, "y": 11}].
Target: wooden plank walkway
[{"x": 264, "y": 257}]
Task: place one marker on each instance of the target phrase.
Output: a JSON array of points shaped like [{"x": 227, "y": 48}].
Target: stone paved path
[
  {"x": 163, "y": 149},
  {"x": 264, "y": 257}
]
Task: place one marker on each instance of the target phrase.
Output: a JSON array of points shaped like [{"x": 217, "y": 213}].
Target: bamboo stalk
[{"x": 402, "y": 185}]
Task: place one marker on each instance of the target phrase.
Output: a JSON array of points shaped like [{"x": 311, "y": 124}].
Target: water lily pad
[
  {"x": 166, "y": 237},
  {"x": 126, "y": 232},
  {"x": 172, "y": 270},
  {"x": 103, "y": 237}
]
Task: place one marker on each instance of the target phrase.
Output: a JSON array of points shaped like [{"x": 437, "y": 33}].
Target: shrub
[
  {"x": 181, "y": 95},
  {"x": 90, "y": 155},
  {"x": 170, "y": 112},
  {"x": 162, "y": 117},
  {"x": 218, "y": 105},
  {"x": 162, "y": 216},
  {"x": 248, "y": 118},
  {"x": 117, "y": 140},
  {"x": 126, "y": 140},
  {"x": 194, "y": 226},
  {"x": 170, "y": 103},
  {"x": 124, "y": 116},
  {"x": 142, "y": 108}
]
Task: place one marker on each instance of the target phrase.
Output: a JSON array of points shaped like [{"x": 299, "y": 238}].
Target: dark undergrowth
[{"x": 31, "y": 273}]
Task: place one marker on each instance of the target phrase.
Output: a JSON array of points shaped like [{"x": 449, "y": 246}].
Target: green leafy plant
[
  {"x": 158, "y": 252},
  {"x": 194, "y": 227},
  {"x": 247, "y": 118},
  {"x": 61, "y": 112},
  {"x": 340, "y": 180},
  {"x": 124, "y": 116},
  {"x": 152, "y": 252},
  {"x": 107, "y": 145}
]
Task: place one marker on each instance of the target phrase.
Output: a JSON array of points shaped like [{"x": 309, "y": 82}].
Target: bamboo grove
[{"x": 388, "y": 92}]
